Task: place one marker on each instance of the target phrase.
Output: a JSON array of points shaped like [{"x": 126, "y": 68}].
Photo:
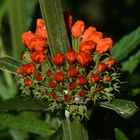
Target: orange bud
[
  {"x": 72, "y": 72},
  {"x": 67, "y": 98},
  {"x": 58, "y": 59},
  {"x": 54, "y": 96},
  {"x": 87, "y": 46},
  {"x": 59, "y": 76},
  {"x": 82, "y": 93},
  {"x": 27, "y": 82},
  {"x": 38, "y": 77},
  {"x": 81, "y": 80},
  {"x": 78, "y": 28},
  {"x": 101, "y": 67},
  {"x": 71, "y": 86},
  {"x": 96, "y": 36},
  {"x": 104, "y": 45},
  {"x": 94, "y": 78},
  {"x": 111, "y": 62}
]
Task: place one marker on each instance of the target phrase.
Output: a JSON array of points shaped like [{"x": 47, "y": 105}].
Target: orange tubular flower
[
  {"x": 94, "y": 78},
  {"x": 87, "y": 46},
  {"x": 40, "y": 29},
  {"x": 78, "y": 28},
  {"x": 111, "y": 62},
  {"x": 102, "y": 67},
  {"x": 96, "y": 36},
  {"x": 58, "y": 59},
  {"x": 38, "y": 56},
  {"x": 83, "y": 59},
  {"x": 88, "y": 32},
  {"x": 72, "y": 72},
  {"x": 59, "y": 77},
  {"x": 71, "y": 56},
  {"x": 104, "y": 45}
]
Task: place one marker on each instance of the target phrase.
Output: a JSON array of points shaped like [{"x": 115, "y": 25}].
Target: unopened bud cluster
[{"x": 69, "y": 80}]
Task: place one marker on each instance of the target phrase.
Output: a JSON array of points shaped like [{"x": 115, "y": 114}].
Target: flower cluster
[{"x": 69, "y": 80}]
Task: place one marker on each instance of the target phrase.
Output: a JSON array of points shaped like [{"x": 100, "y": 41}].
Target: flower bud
[
  {"x": 59, "y": 76},
  {"x": 27, "y": 82},
  {"x": 67, "y": 98},
  {"x": 21, "y": 71},
  {"x": 52, "y": 84},
  {"x": 54, "y": 96},
  {"x": 38, "y": 77},
  {"x": 94, "y": 78},
  {"x": 40, "y": 29},
  {"x": 87, "y": 46},
  {"x": 78, "y": 28},
  {"x": 83, "y": 59},
  {"x": 72, "y": 72},
  {"x": 58, "y": 59},
  {"x": 49, "y": 73},
  {"x": 71, "y": 86},
  {"x": 38, "y": 56},
  {"x": 82, "y": 93},
  {"x": 101, "y": 67},
  {"x": 29, "y": 68},
  {"x": 108, "y": 78},
  {"x": 111, "y": 62},
  {"x": 104, "y": 45},
  {"x": 81, "y": 80},
  {"x": 96, "y": 36},
  {"x": 71, "y": 56}
]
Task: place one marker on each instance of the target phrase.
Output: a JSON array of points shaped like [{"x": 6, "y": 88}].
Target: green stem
[{"x": 55, "y": 25}]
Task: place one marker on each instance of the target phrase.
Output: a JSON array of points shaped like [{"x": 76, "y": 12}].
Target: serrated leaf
[
  {"x": 124, "y": 108},
  {"x": 25, "y": 123},
  {"x": 132, "y": 63},
  {"x": 53, "y": 16},
  {"x": 9, "y": 64},
  {"x": 120, "y": 135},
  {"x": 126, "y": 45},
  {"x": 21, "y": 104}
]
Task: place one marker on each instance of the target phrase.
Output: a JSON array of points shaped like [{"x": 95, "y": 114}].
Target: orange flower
[
  {"x": 71, "y": 86},
  {"x": 27, "y": 82},
  {"x": 40, "y": 29},
  {"x": 81, "y": 80},
  {"x": 96, "y": 36},
  {"x": 72, "y": 72},
  {"x": 88, "y": 32},
  {"x": 59, "y": 76},
  {"x": 38, "y": 77},
  {"x": 78, "y": 28},
  {"x": 52, "y": 84},
  {"x": 94, "y": 78},
  {"x": 20, "y": 70},
  {"x": 104, "y": 45},
  {"x": 28, "y": 68},
  {"x": 71, "y": 56},
  {"x": 83, "y": 59},
  {"x": 58, "y": 59},
  {"x": 38, "y": 56},
  {"x": 87, "y": 46},
  {"x": 101, "y": 67},
  {"x": 111, "y": 62}
]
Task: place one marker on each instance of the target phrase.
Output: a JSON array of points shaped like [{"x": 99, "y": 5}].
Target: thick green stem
[
  {"x": 74, "y": 130},
  {"x": 55, "y": 25}
]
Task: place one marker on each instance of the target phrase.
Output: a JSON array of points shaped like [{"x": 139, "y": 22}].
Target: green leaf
[
  {"x": 132, "y": 63},
  {"x": 124, "y": 108},
  {"x": 126, "y": 45},
  {"x": 21, "y": 104},
  {"x": 9, "y": 64},
  {"x": 74, "y": 130},
  {"x": 26, "y": 123},
  {"x": 55, "y": 25},
  {"x": 120, "y": 135},
  {"x": 135, "y": 92},
  {"x": 17, "y": 15}
]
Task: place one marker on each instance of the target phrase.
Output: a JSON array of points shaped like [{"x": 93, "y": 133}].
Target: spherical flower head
[
  {"x": 49, "y": 73},
  {"x": 54, "y": 96},
  {"x": 104, "y": 45},
  {"x": 94, "y": 78},
  {"x": 58, "y": 59},
  {"x": 67, "y": 98},
  {"x": 72, "y": 72},
  {"x": 37, "y": 45},
  {"x": 59, "y": 76},
  {"x": 102, "y": 67},
  {"x": 88, "y": 32},
  {"x": 71, "y": 56},
  {"x": 52, "y": 84},
  {"x": 38, "y": 56},
  {"x": 87, "y": 46},
  {"x": 38, "y": 77},
  {"x": 81, "y": 93},
  {"x": 111, "y": 62},
  {"x": 40, "y": 29},
  {"x": 81, "y": 80},
  {"x": 83, "y": 59},
  {"x": 29, "y": 68},
  {"x": 27, "y": 82},
  {"x": 78, "y": 28},
  {"x": 71, "y": 86}
]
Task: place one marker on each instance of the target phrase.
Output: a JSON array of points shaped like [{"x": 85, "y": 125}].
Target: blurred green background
[{"x": 115, "y": 18}]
